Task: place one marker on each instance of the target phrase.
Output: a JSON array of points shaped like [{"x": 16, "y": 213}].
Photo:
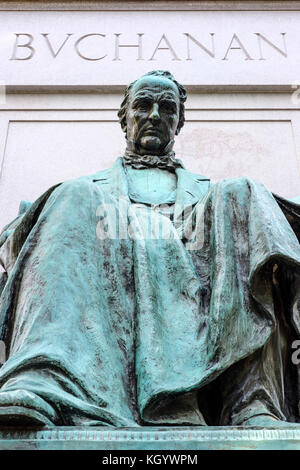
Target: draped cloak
[{"x": 126, "y": 331}]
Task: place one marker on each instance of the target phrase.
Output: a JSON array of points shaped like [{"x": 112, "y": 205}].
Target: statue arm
[
  {"x": 6, "y": 259},
  {"x": 15, "y": 233},
  {"x": 12, "y": 239}
]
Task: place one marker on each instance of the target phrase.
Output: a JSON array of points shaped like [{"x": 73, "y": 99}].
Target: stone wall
[{"x": 65, "y": 66}]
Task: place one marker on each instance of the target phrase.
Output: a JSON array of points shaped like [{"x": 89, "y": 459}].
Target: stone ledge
[{"x": 150, "y": 438}]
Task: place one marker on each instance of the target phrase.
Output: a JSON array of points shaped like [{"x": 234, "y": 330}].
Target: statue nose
[{"x": 154, "y": 113}]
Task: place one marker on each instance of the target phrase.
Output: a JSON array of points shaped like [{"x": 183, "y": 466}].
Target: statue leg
[
  {"x": 254, "y": 387},
  {"x": 261, "y": 389}
]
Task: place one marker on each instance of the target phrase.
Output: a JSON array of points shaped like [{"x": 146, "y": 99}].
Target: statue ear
[
  {"x": 122, "y": 118},
  {"x": 124, "y": 125}
]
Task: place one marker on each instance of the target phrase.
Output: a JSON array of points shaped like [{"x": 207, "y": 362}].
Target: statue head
[{"x": 152, "y": 112}]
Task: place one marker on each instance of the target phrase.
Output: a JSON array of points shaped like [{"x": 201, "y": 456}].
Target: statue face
[{"x": 152, "y": 114}]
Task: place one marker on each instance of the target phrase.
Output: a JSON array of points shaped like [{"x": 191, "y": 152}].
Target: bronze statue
[{"x": 144, "y": 294}]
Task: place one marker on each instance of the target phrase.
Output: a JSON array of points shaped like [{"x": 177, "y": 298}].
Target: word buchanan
[{"x": 25, "y": 46}]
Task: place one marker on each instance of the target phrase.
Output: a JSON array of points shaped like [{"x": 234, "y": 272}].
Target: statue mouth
[{"x": 152, "y": 131}]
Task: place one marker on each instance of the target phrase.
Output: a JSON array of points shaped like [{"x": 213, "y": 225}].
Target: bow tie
[{"x": 164, "y": 162}]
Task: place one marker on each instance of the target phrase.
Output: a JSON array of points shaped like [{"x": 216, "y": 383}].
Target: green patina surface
[
  {"x": 123, "y": 328},
  {"x": 212, "y": 438},
  {"x": 145, "y": 329}
]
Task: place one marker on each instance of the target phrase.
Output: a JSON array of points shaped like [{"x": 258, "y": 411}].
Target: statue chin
[{"x": 151, "y": 144}]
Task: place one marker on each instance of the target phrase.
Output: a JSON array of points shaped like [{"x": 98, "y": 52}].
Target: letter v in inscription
[{"x": 55, "y": 54}]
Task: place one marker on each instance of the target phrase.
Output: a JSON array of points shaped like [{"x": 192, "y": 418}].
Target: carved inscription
[{"x": 113, "y": 47}]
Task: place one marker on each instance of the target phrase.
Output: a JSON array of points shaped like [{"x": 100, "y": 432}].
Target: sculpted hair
[{"x": 156, "y": 73}]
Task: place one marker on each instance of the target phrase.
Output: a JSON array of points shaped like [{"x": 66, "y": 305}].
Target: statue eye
[
  {"x": 168, "y": 107},
  {"x": 142, "y": 105}
]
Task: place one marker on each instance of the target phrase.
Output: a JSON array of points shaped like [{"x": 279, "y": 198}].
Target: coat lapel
[
  {"x": 190, "y": 187},
  {"x": 113, "y": 180}
]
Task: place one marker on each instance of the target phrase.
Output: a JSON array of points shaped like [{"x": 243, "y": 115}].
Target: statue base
[{"x": 150, "y": 438}]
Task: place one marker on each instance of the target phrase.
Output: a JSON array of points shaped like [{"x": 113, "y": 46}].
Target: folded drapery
[{"x": 129, "y": 331}]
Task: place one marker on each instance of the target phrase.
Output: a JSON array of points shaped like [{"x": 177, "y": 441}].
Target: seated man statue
[{"x": 145, "y": 295}]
